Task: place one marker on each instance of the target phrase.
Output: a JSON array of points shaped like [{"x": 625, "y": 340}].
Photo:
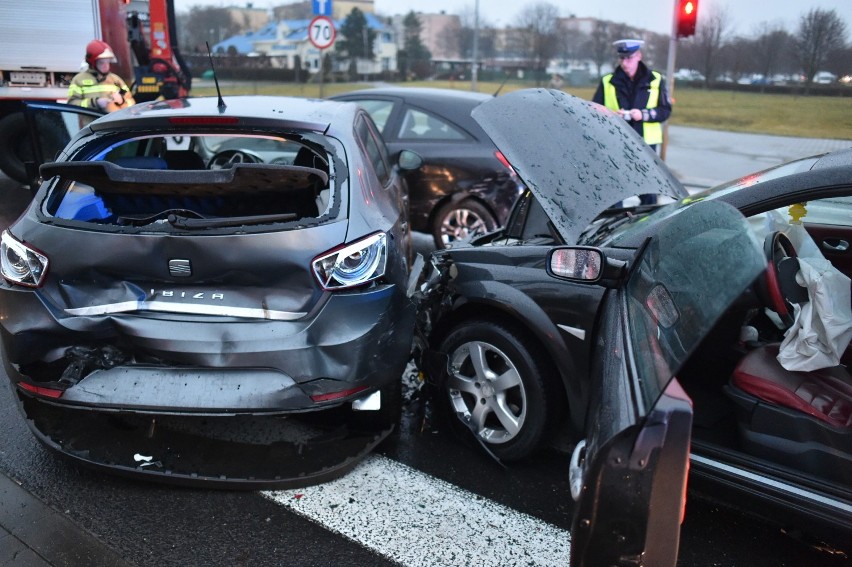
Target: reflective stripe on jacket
[
  {"x": 652, "y": 132},
  {"x": 85, "y": 89}
]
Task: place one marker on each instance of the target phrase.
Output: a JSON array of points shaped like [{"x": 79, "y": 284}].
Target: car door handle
[{"x": 835, "y": 245}]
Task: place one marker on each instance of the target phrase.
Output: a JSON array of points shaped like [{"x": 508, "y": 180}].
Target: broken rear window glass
[{"x": 193, "y": 182}]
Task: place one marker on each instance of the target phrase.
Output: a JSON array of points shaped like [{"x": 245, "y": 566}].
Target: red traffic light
[{"x": 687, "y": 14}]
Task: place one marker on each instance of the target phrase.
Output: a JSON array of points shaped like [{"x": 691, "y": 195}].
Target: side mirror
[
  {"x": 409, "y": 161},
  {"x": 576, "y": 263}
]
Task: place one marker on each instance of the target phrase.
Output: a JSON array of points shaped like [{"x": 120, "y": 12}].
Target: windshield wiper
[
  {"x": 179, "y": 221},
  {"x": 602, "y": 227}
]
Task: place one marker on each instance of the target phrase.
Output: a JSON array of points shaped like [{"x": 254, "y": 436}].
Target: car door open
[{"x": 629, "y": 474}]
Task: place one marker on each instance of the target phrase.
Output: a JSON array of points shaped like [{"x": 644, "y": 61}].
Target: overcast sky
[{"x": 656, "y": 15}]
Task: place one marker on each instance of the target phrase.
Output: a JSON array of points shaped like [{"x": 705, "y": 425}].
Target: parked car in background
[
  {"x": 213, "y": 293},
  {"x": 825, "y": 78},
  {"x": 465, "y": 186},
  {"x": 519, "y": 328}
]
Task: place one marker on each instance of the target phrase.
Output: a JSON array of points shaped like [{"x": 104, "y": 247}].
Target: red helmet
[{"x": 97, "y": 49}]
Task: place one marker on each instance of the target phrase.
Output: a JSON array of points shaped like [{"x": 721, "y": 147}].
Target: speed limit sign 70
[{"x": 321, "y": 32}]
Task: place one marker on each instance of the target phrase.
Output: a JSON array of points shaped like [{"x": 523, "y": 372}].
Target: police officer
[
  {"x": 96, "y": 87},
  {"x": 638, "y": 94}
]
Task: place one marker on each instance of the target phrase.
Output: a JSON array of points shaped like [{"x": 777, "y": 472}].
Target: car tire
[
  {"x": 459, "y": 220},
  {"x": 512, "y": 419}
]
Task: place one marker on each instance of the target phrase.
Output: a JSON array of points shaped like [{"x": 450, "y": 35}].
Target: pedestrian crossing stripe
[{"x": 420, "y": 521}]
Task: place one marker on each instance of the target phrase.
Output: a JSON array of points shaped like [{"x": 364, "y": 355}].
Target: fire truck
[{"x": 44, "y": 44}]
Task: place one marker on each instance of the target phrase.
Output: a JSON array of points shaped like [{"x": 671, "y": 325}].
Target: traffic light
[{"x": 687, "y": 13}]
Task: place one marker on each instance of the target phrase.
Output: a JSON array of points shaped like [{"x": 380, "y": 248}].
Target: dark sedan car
[
  {"x": 465, "y": 185},
  {"x": 515, "y": 348},
  {"x": 209, "y": 292}
]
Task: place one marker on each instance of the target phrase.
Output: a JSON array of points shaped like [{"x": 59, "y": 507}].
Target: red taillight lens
[
  {"x": 502, "y": 159},
  {"x": 337, "y": 395},
  {"x": 203, "y": 120},
  {"x": 39, "y": 391}
]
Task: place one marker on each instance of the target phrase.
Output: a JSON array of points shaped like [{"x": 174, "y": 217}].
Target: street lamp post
[
  {"x": 474, "y": 71},
  {"x": 670, "y": 65}
]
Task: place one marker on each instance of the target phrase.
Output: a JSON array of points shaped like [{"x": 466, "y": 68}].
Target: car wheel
[
  {"x": 497, "y": 385},
  {"x": 461, "y": 220}
]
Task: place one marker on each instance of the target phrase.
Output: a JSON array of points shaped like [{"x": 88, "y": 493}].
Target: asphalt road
[{"x": 440, "y": 501}]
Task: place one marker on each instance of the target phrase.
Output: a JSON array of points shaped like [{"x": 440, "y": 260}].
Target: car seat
[
  {"x": 801, "y": 419},
  {"x": 183, "y": 159},
  {"x": 306, "y": 157}
]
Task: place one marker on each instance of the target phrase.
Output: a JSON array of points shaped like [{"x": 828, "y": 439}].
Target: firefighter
[
  {"x": 638, "y": 94},
  {"x": 96, "y": 87}
]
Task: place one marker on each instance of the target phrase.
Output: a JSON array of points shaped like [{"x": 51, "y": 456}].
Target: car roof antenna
[
  {"x": 215, "y": 79},
  {"x": 500, "y": 88}
]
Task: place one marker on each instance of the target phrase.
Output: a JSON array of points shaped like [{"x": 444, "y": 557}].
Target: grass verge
[{"x": 777, "y": 114}]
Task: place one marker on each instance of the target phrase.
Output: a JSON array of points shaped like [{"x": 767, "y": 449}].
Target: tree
[
  {"x": 839, "y": 61},
  {"x": 207, "y": 25},
  {"x": 571, "y": 42},
  {"x": 356, "y": 39},
  {"x": 538, "y": 24},
  {"x": 770, "y": 49},
  {"x": 820, "y": 32},
  {"x": 708, "y": 41},
  {"x": 600, "y": 48},
  {"x": 414, "y": 58}
]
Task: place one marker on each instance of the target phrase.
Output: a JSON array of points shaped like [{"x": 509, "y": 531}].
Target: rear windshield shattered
[{"x": 193, "y": 182}]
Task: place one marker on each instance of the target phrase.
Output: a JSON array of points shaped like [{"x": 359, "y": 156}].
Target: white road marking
[{"x": 418, "y": 520}]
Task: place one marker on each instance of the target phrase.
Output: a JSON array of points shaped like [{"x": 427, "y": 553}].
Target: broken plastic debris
[{"x": 148, "y": 461}]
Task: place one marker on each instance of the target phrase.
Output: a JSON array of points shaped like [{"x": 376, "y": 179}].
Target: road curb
[{"x": 34, "y": 534}]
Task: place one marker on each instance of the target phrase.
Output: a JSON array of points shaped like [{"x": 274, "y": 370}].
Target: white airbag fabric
[{"x": 822, "y": 327}]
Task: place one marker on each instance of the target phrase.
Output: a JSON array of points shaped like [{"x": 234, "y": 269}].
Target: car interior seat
[
  {"x": 183, "y": 159},
  {"x": 802, "y": 419},
  {"x": 306, "y": 157}
]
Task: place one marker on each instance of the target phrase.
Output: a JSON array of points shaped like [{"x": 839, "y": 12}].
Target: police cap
[{"x": 627, "y": 47}]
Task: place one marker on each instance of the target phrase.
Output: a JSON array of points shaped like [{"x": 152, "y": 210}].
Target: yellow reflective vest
[{"x": 652, "y": 132}]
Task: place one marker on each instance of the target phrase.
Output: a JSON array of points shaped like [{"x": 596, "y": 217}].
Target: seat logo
[{"x": 180, "y": 268}]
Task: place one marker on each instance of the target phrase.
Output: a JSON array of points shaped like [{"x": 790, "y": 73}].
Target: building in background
[{"x": 286, "y": 44}]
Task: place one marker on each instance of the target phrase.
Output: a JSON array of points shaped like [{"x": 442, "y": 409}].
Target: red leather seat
[{"x": 824, "y": 394}]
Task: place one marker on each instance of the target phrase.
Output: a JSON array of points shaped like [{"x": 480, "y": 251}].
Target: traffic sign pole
[{"x": 321, "y": 34}]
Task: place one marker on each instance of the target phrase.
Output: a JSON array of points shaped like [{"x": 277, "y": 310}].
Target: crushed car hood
[{"x": 577, "y": 157}]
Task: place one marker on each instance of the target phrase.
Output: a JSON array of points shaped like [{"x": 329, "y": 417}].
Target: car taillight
[
  {"x": 353, "y": 264},
  {"x": 502, "y": 159},
  {"x": 41, "y": 391},
  {"x": 21, "y": 264},
  {"x": 331, "y": 396}
]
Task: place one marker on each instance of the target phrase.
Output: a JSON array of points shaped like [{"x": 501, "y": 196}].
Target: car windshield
[
  {"x": 701, "y": 260},
  {"x": 611, "y": 229}
]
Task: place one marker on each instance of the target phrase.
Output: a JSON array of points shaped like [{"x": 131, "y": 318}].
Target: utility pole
[
  {"x": 474, "y": 70},
  {"x": 670, "y": 64}
]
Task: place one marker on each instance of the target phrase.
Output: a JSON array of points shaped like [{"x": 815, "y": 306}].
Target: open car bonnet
[{"x": 577, "y": 157}]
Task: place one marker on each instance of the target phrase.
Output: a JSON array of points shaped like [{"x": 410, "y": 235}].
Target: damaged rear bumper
[
  {"x": 237, "y": 452},
  {"x": 358, "y": 342}
]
